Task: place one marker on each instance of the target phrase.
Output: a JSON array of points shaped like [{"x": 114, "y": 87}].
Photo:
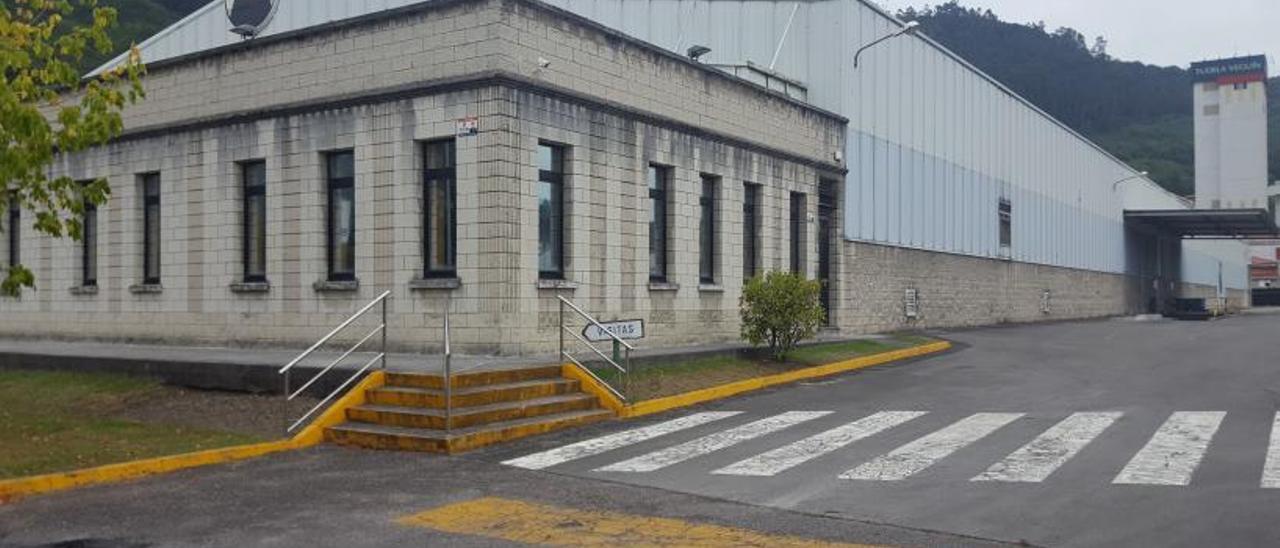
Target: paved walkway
[{"x": 274, "y": 358}]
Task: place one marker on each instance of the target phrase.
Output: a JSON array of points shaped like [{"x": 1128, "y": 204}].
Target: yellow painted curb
[
  {"x": 313, "y": 434},
  {"x": 649, "y": 407}
]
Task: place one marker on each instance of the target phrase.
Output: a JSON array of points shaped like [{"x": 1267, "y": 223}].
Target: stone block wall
[{"x": 959, "y": 291}]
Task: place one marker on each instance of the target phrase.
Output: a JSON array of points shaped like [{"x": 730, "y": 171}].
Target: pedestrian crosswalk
[{"x": 1170, "y": 457}]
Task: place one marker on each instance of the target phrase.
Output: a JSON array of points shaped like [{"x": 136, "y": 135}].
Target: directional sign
[{"x": 624, "y": 329}]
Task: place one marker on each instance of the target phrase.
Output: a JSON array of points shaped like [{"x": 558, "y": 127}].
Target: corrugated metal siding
[{"x": 933, "y": 143}]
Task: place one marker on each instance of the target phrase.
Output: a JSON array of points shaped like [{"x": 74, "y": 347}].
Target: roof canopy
[{"x": 1207, "y": 224}]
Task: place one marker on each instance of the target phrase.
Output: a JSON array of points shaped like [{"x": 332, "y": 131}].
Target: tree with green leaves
[{"x": 48, "y": 109}]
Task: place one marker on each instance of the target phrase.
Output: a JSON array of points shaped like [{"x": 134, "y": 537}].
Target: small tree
[
  {"x": 47, "y": 109},
  {"x": 780, "y": 309}
]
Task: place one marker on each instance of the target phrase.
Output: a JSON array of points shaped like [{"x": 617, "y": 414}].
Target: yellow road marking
[
  {"x": 547, "y": 525},
  {"x": 649, "y": 407}
]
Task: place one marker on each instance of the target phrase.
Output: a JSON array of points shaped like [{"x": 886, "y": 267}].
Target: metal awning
[{"x": 1207, "y": 224}]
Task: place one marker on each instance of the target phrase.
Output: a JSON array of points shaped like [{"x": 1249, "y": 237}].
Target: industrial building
[{"x": 638, "y": 157}]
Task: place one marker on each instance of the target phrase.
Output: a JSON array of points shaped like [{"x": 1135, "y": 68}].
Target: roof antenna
[{"x": 250, "y": 17}]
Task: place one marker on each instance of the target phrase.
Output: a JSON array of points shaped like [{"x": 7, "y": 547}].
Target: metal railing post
[
  {"x": 285, "y": 404},
  {"x": 448, "y": 368},
  {"x": 560, "y": 358},
  {"x": 384, "y": 332}
]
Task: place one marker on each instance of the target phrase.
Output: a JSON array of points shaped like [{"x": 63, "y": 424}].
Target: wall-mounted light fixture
[
  {"x": 1116, "y": 184},
  {"x": 909, "y": 28}
]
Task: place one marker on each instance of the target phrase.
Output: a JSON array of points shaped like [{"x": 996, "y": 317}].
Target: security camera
[{"x": 544, "y": 62}]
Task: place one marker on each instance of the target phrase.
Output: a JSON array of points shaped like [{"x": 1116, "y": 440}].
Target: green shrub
[{"x": 780, "y": 309}]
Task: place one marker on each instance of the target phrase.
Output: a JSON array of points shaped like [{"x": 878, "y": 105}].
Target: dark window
[
  {"x": 89, "y": 246},
  {"x": 440, "y": 206},
  {"x": 15, "y": 229},
  {"x": 151, "y": 228},
  {"x": 1241, "y": 85},
  {"x": 550, "y": 212},
  {"x": 342, "y": 215},
  {"x": 255, "y": 221},
  {"x": 707, "y": 231},
  {"x": 750, "y": 230},
  {"x": 1006, "y": 223},
  {"x": 659, "y": 183},
  {"x": 797, "y": 232}
]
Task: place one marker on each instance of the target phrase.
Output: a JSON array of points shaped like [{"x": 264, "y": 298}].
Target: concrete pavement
[{"x": 1075, "y": 434}]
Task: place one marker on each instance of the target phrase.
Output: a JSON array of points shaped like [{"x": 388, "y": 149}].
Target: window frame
[
  {"x": 556, "y": 180},
  {"x": 15, "y": 229},
  {"x": 797, "y": 212},
  {"x": 751, "y": 193},
  {"x": 332, "y": 186},
  {"x": 708, "y": 224},
  {"x": 1004, "y": 209},
  {"x": 448, "y": 177},
  {"x": 89, "y": 243},
  {"x": 660, "y": 196},
  {"x": 151, "y": 215},
  {"x": 249, "y": 194}
]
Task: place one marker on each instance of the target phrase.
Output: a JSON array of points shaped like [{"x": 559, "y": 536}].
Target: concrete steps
[{"x": 488, "y": 407}]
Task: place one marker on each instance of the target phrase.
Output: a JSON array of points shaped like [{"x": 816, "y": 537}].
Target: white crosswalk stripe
[
  {"x": 547, "y": 459},
  {"x": 913, "y": 457},
  {"x": 714, "y": 442},
  {"x": 1174, "y": 452},
  {"x": 1171, "y": 455},
  {"x": 1037, "y": 460},
  {"x": 795, "y": 454},
  {"x": 1271, "y": 469}
]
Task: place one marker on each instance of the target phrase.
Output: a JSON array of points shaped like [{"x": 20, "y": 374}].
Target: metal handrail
[
  {"x": 382, "y": 356},
  {"x": 617, "y": 341},
  {"x": 593, "y": 348},
  {"x": 331, "y": 395},
  {"x": 597, "y": 324},
  {"x": 334, "y": 363},
  {"x": 336, "y": 330},
  {"x": 593, "y": 374}
]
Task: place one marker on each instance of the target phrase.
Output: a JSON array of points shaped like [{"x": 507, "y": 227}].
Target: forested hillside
[
  {"x": 1141, "y": 113},
  {"x": 139, "y": 19}
]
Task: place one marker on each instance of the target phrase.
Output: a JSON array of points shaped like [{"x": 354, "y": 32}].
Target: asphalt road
[
  {"x": 1082, "y": 434},
  {"x": 1112, "y": 433}
]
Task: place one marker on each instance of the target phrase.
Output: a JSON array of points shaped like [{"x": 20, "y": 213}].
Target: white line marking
[
  {"x": 1271, "y": 470},
  {"x": 913, "y": 457},
  {"x": 790, "y": 456},
  {"x": 1037, "y": 460},
  {"x": 596, "y": 446},
  {"x": 714, "y": 442},
  {"x": 1174, "y": 452}
]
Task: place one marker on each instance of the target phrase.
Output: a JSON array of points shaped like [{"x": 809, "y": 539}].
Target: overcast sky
[{"x": 1161, "y": 32}]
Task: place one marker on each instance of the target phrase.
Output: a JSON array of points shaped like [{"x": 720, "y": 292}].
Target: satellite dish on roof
[{"x": 249, "y": 17}]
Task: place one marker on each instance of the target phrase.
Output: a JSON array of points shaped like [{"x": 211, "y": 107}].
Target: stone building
[{"x": 487, "y": 156}]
